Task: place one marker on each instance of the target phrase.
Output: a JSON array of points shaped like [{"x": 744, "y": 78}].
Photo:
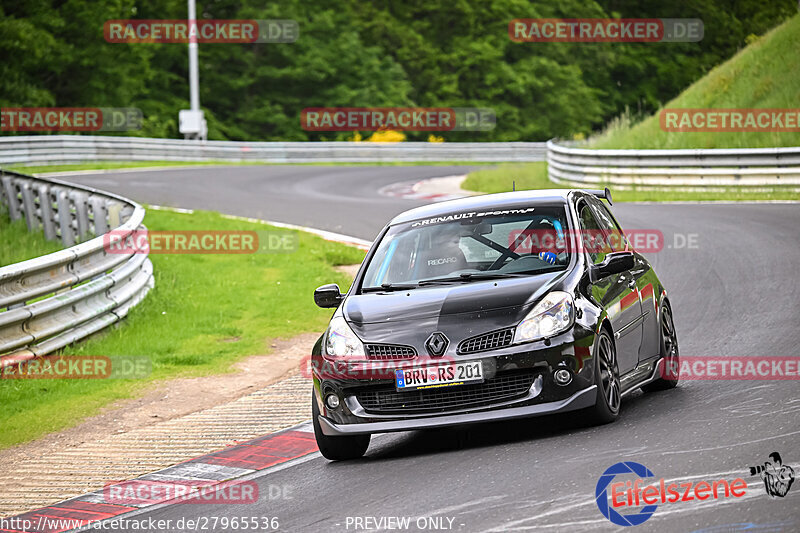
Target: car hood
[{"x": 463, "y": 308}]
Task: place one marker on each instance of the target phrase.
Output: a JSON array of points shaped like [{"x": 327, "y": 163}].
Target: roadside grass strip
[
  {"x": 206, "y": 312},
  {"x": 17, "y": 244}
]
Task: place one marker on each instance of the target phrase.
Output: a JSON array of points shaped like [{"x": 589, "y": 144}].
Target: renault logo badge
[{"x": 437, "y": 344}]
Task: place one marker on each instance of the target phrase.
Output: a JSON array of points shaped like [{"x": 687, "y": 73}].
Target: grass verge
[
  {"x": 534, "y": 176},
  {"x": 765, "y": 74},
  {"x": 17, "y": 244},
  {"x": 205, "y": 313}
]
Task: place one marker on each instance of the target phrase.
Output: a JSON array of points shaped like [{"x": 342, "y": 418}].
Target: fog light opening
[
  {"x": 332, "y": 401},
  {"x": 562, "y": 376},
  {"x": 536, "y": 388}
]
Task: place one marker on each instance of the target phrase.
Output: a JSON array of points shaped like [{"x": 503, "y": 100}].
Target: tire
[
  {"x": 337, "y": 448},
  {"x": 606, "y": 371},
  {"x": 669, "y": 351}
]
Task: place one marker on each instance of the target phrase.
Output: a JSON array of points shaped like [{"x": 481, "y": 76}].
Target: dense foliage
[{"x": 453, "y": 53}]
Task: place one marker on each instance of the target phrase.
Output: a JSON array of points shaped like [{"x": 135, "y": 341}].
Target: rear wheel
[
  {"x": 669, "y": 352},
  {"x": 337, "y": 448},
  {"x": 606, "y": 407}
]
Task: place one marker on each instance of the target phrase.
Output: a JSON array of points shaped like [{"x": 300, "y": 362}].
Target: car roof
[{"x": 505, "y": 200}]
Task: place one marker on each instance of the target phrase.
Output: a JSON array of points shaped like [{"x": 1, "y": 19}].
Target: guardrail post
[
  {"x": 99, "y": 215},
  {"x": 114, "y": 209},
  {"x": 125, "y": 214},
  {"x": 46, "y": 206},
  {"x": 29, "y": 207},
  {"x": 3, "y": 200},
  {"x": 81, "y": 214},
  {"x": 65, "y": 218},
  {"x": 11, "y": 196}
]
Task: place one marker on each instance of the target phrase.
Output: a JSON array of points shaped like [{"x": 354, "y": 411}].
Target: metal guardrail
[
  {"x": 707, "y": 167},
  {"x": 51, "y": 301},
  {"x": 61, "y": 149},
  {"x": 567, "y": 164}
]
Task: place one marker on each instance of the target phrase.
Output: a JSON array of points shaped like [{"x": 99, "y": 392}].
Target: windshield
[{"x": 472, "y": 245}]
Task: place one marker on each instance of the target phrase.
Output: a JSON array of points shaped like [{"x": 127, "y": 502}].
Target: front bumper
[
  {"x": 581, "y": 399},
  {"x": 369, "y": 402}
]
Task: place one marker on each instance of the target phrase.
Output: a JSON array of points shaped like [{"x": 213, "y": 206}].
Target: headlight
[
  {"x": 340, "y": 340},
  {"x": 549, "y": 317}
]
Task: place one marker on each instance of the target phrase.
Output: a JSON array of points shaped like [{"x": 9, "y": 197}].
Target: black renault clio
[{"x": 489, "y": 308}]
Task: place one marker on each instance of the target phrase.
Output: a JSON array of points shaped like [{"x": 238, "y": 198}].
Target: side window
[
  {"x": 614, "y": 237},
  {"x": 590, "y": 233}
]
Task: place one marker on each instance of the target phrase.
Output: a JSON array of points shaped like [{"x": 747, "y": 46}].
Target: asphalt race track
[
  {"x": 335, "y": 198},
  {"x": 735, "y": 293}
]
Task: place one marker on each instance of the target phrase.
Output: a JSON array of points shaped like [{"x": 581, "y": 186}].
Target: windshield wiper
[
  {"x": 390, "y": 287},
  {"x": 469, "y": 276}
]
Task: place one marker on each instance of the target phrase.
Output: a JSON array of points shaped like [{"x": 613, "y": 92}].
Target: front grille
[
  {"x": 390, "y": 351},
  {"x": 502, "y": 387},
  {"x": 487, "y": 341}
]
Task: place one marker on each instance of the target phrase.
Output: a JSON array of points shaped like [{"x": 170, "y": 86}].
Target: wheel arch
[
  {"x": 662, "y": 301},
  {"x": 602, "y": 324},
  {"x": 605, "y": 324}
]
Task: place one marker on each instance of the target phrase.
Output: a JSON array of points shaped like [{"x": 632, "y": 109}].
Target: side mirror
[
  {"x": 614, "y": 263},
  {"x": 328, "y": 296}
]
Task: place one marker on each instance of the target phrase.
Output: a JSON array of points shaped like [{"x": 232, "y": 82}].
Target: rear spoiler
[{"x": 601, "y": 194}]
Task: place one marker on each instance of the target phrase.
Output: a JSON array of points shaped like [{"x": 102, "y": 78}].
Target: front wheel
[
  {"x": 606, "y": 407},
  {"x": 669, "y": 352},
  {"x": 337, "y": 448}
]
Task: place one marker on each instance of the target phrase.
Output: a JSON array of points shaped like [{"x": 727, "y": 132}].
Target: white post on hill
[{"x": 191, "y": 121}]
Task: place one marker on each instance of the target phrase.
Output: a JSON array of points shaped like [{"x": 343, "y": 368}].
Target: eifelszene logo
[
  {"x": 643, "y": 499},
  {"x": 602, "y": 498}
]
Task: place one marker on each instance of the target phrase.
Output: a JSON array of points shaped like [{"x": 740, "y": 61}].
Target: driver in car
[{"x": 548, "y": 227}]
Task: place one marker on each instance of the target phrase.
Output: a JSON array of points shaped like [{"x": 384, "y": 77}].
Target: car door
[
  {"x": 617, "y": 294},
  {"x": 646, "y": 281}
]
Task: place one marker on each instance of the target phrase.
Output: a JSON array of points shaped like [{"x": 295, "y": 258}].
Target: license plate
[{"x": 435, "y": 376}]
